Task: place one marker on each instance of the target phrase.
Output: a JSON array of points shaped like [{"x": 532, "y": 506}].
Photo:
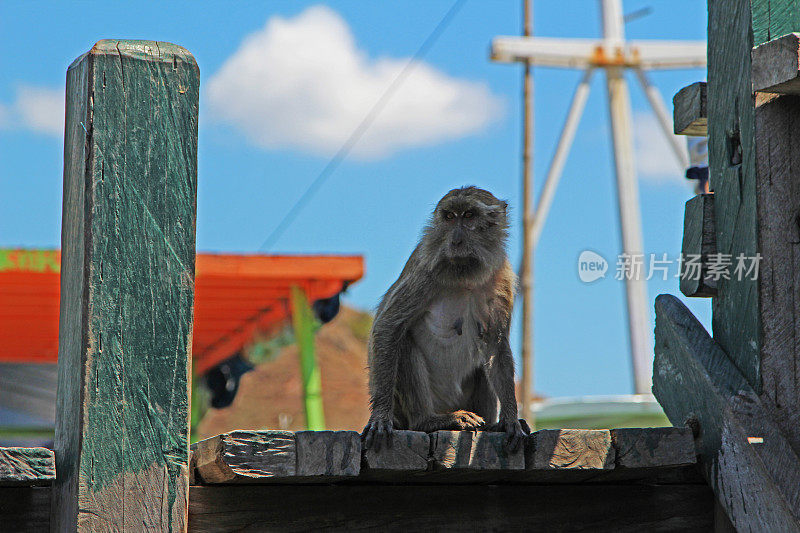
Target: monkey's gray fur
[{"x": 439, "y": 356}]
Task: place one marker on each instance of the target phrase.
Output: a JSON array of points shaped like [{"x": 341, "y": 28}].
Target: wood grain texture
[
  {"x": 653, "y": 447},
  {"x": 27, "y": 466},
  {"x": 474, "y": 450},
  {"x": 774, "y": 18},
  {"x": 732, "y": 162},
  {"x": 557, "y": 456},
  {"x": 776, "y": 65},
  {"x": 590, "y": 508},
  {"x": 577, "y": 449},
  {"x": 699, "y": 240},
  {"x": 409, "y": 453},
  {"x": 328, "y": 454},
  {"x": 24, "y": 509},
  {"x": 127, "y": 287},
  {"x": 778, "y": 187},
  {"x": 245, "y": 456},
  {"x": 756, "y": 481},
  {"x": 689, "y": 110}
]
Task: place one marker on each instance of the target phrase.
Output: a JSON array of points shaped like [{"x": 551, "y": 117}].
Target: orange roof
[{"x": 235, "y": 297}]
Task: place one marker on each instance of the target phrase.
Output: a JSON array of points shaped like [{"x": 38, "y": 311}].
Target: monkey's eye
[
  {"x": 449, "y": 215},
  {"x": 468, "y": 214}
]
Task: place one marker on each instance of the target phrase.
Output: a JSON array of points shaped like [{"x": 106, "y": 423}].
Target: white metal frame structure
[{"x": 614, "y": 55}]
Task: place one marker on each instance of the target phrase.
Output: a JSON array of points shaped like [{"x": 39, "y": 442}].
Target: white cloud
[
  {"x": 655, "y": 160},
  {"x": 36, "y": 109},
  {"x": 303, "y": 83}
]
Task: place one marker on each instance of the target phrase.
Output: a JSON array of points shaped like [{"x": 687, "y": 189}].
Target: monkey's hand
[
  {"x": 378, "y": 429},
  {"x": 465, "y": 420},
  {"x": 515, "y": 434}
]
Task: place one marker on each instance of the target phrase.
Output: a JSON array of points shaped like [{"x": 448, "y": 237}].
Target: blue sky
[{"x": 251, "y": 170}]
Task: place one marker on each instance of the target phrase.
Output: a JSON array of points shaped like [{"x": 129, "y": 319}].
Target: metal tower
[{"x": 614, "y": 55}]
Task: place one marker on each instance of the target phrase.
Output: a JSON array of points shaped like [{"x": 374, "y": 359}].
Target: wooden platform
[{"x": 576, "y": 480}]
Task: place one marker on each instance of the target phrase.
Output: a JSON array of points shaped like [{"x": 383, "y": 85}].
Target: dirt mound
[{"x": 271, "y": 396}]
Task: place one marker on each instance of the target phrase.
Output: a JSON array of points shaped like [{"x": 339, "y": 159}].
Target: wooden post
[
  {"x": 127, "y": 288},
  {"x": 753, "y": 147},
  {"x": 528, "y": 239},
  {"x": 740, "y": 392},
  {"x": 303, "y": 323}
]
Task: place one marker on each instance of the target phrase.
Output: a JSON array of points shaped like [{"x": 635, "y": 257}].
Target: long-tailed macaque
[{"x": 439, "y": 356}]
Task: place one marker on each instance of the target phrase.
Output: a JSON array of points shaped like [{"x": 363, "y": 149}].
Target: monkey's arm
[
  {"x": 501, "y": 374},
  {"x": 390, "y": 340},
  {"x": 386, "y": 347}
]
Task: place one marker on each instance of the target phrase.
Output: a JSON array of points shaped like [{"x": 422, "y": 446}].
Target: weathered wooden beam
[
  {"x": 578, "y": 449},
  {"x": 776, "y": 65},
  {"x": 699, "y": 243},
  {"x": 409, "y": 507},
  {"x": 408, "y": 455},
  {"x": 653, "y": 447},
  {"x": 328, "y": 454},
  {"x": 748, "y": 462},
  {"x": 559, "y": 456},
  {"x": 127, "y": 288},
  {"x": 778, "y": 271},
  {"x": 689, "y": 111},
  {"x": 459, "y": 451},
  {"x": 731, "y": 151},
  {"x": 245, "y": 457},
  {"x": 27, "y": 466},
  {"x": 773, "y": 18}
]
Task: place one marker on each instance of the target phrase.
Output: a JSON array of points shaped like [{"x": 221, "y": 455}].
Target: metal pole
[
  {"x": 628, "y": 197},
  {"x": 527, "y": 229},
  {"x": 560, "y": 156},
  {"x": 664, "y": 120}
]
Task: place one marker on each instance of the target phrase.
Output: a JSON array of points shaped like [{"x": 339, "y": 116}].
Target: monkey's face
[{"x": 469, "y": 228}]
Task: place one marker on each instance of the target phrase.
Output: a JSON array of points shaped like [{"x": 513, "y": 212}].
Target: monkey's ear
[{"x": 504, "y": 205}]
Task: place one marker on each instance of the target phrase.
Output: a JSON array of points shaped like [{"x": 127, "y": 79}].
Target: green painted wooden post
[
  {"x": 731, "y": 117},
  {"x": 752, "y": 156},
  {"x": 740, "y": 392},
  {"x": 127, "y": 288},
  {"x": 303, "y": 322}
]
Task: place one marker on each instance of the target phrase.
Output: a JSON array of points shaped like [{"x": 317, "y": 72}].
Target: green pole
[{"x": 303, "y": 322}]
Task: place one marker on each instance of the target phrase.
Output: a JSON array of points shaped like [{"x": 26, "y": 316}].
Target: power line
[{"x": 365, "y": 123}]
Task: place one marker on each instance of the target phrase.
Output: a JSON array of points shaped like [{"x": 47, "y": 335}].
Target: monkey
[{"x": 438, "y": 352}]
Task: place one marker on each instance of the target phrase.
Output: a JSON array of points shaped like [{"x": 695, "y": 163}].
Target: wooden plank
[
  {"x": 653, "y": 447},
  {"x": 245, "y": 457},
  {"x": 409, "y": 454},
  {"x": 474, "y": 450},
  {"x": 328, "y": 454},
  {"x": 778, "y": 188},
  {"x": 573, "y": 449},
  {"x": 699, "y": 243},
  {"x": 748, "y": 462},
  {"x": 589, "y": 508},
  {"x": 127, "y": 288},
  {"x": 27, "y": 466},
  {"x": 776, "y": 65},
  {"x": 25, "y": 508},
  {"x": 562, "y": 456},
  {"x": 731, "y": 149},
  {"x": 773, "y": 18},
  {"x": 689, "y": 111}
]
